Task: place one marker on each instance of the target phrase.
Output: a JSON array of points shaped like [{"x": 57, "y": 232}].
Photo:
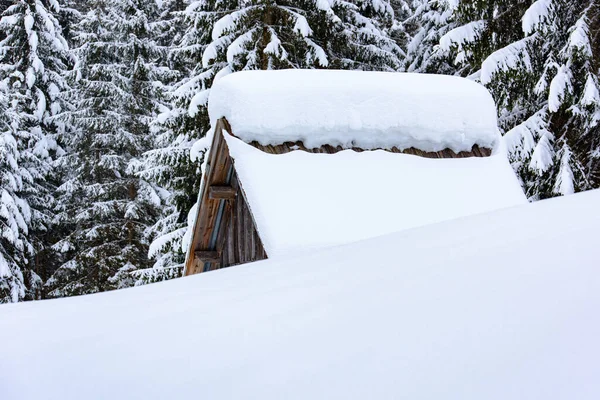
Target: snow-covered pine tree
[
  {"x": 70, "y": 14},
  {"x": 480, "y": 28},
  {"x": 570, "y": 83},
  {"x": 33, "y": 58},
  {"x": 275, "y": 34},
  {"x": 425, "y": 26},
  {"x": 105, "y": 207},
  {"x": 544, "y": 78},
  {"x": 176, "y": 128},
  {"x": 404, "y": 27},
  {"x": 367, "y": 38},
  {"x": 555, "y": 148},
  {"x": 14, "y": 212}
]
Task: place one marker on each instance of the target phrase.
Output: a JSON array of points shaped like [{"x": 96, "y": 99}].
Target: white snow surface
[
  {"x": 463, "y": 34},
  {"x": 501, "y": 306},
  {"x": 537, "y": 13},
  {"x": 303, "y": 201},
  {"x": 356, "y": 109}
]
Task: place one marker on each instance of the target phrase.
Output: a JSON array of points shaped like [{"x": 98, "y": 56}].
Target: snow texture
[
  {"x": 199, "y": 99},
  {"x": 559, "y": 87},
  {"x": 302, "y": 201},
  {"x": 536, "y": 14},
  {"x": 580, "y": 38},
  {"x": 591, "y": 94},
  {"x": 356, "y": 109},
  {"x": 459, "y": 310},
  {"x": 463, "y": 34},
  {"x": 522, "y": 138},
  {"x": 511, "y": 57},
  {"x": 542, "y": 157},
  {"x": 564, "y": 182}
]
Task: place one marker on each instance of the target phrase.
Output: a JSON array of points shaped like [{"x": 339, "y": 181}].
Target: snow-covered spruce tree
[
  {"x": 555, "y": 149},
  {"x": 404, "y": 27},
  {"x": 176, "y": 128},
  {"x": 275, "y": 34},
  {"x": 366, "y": 39},
  {"x": 430, "y": 21},
  {"x": 33, "y": 58},
  {"x": 70, "y": 14},
  {"x": 14, "y": 212},
  {"x": 474, "y": 44},
  {"x": 105, "y": 207},
  {"x": 563, "y": 156},
  {"x": 480, "y": 28},
  {"x": 544, "y": 78}
]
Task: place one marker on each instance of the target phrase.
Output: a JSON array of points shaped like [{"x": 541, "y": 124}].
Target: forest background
[{"x": 103, "y": 110}]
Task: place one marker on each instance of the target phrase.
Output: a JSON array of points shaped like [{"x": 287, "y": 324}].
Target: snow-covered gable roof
[
  {"x": 369, "y": 110},
  {"x": 303, "y": 201}
]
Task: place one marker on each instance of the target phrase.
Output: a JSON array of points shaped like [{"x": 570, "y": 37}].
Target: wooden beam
[
  {"x": 207, "y": 256},
  {"x": 221, "y": 193}
]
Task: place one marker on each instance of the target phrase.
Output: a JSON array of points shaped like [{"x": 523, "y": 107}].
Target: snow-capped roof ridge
[{"x": 370, "y": 110}]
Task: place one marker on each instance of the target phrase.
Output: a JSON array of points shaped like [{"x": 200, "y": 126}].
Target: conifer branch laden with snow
[{"x": 33, "y": 57}]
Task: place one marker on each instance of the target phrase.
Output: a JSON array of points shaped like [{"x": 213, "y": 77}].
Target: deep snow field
[{"x": 502, "y": 305}]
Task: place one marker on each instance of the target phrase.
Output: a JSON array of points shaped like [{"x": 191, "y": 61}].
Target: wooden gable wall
[{"x": 225, "y": 233}]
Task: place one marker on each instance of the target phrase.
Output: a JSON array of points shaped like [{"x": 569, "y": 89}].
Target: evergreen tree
[
  {"x": 176, "y": 128},
  {"x": 428, "y": 23},
  {"x": 544, "y": 78},
  {"x": 70, "y": 14},
  {"x": 105, "y": 207},
  {"x": 14, "y": 212},
  {"x": 404, "y": 26},
  {"x": 33, "y": 58},
  {"x": 555, "y": 148},
  {"x": 275, "y": 34}
]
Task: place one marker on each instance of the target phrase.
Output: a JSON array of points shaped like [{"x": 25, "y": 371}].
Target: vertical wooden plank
[
  {"x": 248, "y": 231},
  {"x": 257, "y": 255},
  {"x": 252, "y": 238},
  {"x": 229, "y": 248},
  {"x": 231, "y": 238},
  {"x": 239, "y": 232}
]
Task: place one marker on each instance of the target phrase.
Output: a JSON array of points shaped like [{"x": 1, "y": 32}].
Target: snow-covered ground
[{"x": 501, "y": 305}]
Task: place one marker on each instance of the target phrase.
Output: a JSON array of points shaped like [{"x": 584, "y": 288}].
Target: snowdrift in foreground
[
  {"x": 495, "y": 306},
  {"x": 304, "y": 201},
  {"x": 356, "y": 109}
]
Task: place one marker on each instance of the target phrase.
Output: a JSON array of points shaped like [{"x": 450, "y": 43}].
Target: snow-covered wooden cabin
[{"x": 307, "y": 159}]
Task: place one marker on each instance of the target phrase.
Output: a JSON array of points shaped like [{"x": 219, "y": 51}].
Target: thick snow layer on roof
[
  {"x": 356, "y": 109},
  {"x": 501, "y": 306},
  {"x": 303, "y": 201}
]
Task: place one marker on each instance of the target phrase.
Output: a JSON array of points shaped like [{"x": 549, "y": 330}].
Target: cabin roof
[
  {"x": 302, "y": 201},
  {"x": 356, "y": 109}
]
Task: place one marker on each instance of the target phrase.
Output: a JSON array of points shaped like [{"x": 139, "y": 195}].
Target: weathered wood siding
[
  {"x": 239, "y": 241},
  {"x": 224, "y": 226},
  {"x": 287, "y": 147}
]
